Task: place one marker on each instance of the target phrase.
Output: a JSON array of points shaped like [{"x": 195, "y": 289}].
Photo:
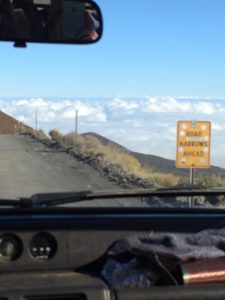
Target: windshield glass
[{"x": 142, "y": 108}]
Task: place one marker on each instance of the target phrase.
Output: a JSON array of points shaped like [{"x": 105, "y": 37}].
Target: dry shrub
[
  {"x": 211, "y": 181},
  {"x": 221, "y": 201},
  {"x": 56, "y": 136},
  {"x": 128, "y": 163},
  {"x": 114, "y": 155},
  {"x": 164, "y": 179},
  {"x": 89, "y": 144},
  {"x": 85, "y": 144},
  {"x": 28, "y": 131},
  {"x": 111, "y": 154},
  {"x": 69, "y": 139},
  {"x": 41, "y": 134}
]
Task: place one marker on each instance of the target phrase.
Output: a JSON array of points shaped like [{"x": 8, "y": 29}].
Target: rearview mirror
[{"x": 50, "y": 21}]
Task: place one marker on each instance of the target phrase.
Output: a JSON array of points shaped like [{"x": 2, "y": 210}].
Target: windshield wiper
[
  {"x": 53, "y": 199},
  {"x": 10, "y": 203},
  {"x": 45, "y": 199}
]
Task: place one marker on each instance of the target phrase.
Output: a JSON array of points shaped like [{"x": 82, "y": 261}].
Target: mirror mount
[{"x": 20, "y": 44}]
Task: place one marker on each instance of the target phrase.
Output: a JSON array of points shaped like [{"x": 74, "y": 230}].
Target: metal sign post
[
  {"x": 192, "y": 176},
  {"x": 192, "y": 182}
]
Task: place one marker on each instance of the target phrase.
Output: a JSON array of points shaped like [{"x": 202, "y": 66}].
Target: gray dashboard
[
  {"x": 54, "y": 246},
  {"x": 53, "y": 249}
]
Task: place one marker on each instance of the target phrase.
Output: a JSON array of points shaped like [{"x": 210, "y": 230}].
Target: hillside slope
[
  {"x": 157, "y": 163},
  {"x": 9, "y": 125}
]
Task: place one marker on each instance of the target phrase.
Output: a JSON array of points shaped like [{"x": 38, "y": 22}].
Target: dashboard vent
[{"x": 57, "y": 297}]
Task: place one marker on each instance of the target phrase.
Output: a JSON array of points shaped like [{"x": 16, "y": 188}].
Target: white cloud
[
  {"x": 204, "y": 108},
  {"x": 47, "y": 116},
  {"x": 216, "y": 126},
  {"x": 33, "y": 102},
  {"x": 125, "y": 105},
  {"x": 172, "y": 105},
  {"x": 92, "y": 113},
  {"x": 167, "y": 104},
  {"x": 22, "y": 102},
  {"x": 145, "y": 125},
  {"x": 60, "y": 106},
  {"x": 50, "y": 110}
]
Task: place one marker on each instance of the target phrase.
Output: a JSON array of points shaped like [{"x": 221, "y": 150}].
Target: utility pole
[
  {"x": 36, "y": 122},
  {"x": 75, "y": 127}
]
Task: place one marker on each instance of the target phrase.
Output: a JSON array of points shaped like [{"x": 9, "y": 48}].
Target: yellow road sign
[{"x": 193, "y": 144}]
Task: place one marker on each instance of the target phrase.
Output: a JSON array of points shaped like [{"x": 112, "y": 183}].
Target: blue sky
[
  {"x": 159, "y": 61},
  {"x": 149, "y": 47}
]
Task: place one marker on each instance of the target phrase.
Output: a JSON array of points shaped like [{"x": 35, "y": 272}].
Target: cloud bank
[{"x": 146, "y": 125}]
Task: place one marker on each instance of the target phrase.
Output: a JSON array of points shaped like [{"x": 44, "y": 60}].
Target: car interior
[{"x": 50, "y": 251}]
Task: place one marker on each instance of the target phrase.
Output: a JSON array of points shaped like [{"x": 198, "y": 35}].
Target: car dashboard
[{"x": 54, "y": 253}]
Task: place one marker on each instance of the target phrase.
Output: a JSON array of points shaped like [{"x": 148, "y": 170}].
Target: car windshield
[{"x": 143, "y": 108}]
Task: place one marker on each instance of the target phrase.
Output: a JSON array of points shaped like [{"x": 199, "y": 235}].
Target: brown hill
[
  {"x": 9, "y": 125},
  {"x": 158, "y": 163},
  {"x": 104, "y": 140}
]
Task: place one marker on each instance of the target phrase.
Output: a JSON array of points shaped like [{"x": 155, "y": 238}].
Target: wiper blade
[
  {"x": 53, "y": 199},
  {"x": 10, "y": 203}
]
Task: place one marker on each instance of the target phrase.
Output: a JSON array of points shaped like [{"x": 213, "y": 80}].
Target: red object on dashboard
[{"x": 204, "y": 271}]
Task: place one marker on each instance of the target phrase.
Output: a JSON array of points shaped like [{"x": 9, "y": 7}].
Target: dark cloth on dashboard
[
  {"x": 130, "y": 272},
  {"x": 158, "y": 254}
]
